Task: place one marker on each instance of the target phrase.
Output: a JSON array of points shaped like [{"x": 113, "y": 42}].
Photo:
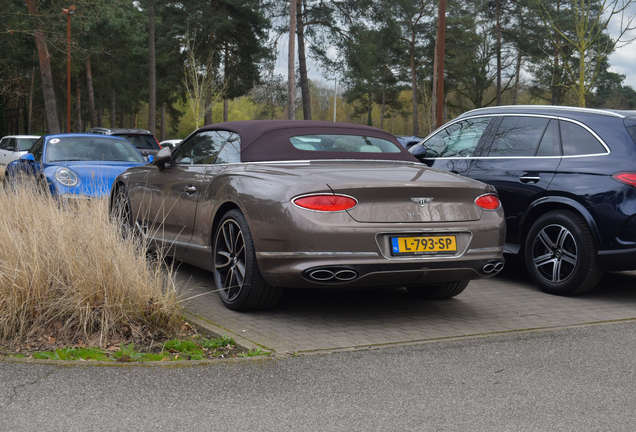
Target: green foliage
[
  {"x": 255, "y": 352},
  {"x": 378, "y": 49},
  {"x": 219, "y": 342},
  {"x": 127, "y": 353}
]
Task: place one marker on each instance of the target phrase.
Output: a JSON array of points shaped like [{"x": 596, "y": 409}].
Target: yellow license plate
[{"x": 423, "y": 245}]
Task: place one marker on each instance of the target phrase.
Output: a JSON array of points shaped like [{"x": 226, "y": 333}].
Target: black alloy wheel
[
  {"x": 560, "y": 254},
  {"x": 236, "y": 274},
  {"x": 121, "y": 215}
]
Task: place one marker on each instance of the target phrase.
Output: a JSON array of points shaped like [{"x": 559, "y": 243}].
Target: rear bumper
[
  {"x": 618, "y": 260},
  {"x": 293, "y": 271}
]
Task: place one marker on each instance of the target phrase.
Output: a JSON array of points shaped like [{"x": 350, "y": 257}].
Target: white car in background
[
  {"x": 172, "y": 143},
  {"x": 14, "y": 146}
]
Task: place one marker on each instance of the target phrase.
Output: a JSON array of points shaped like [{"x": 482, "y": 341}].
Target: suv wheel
[{"x": 561, "y": 255}]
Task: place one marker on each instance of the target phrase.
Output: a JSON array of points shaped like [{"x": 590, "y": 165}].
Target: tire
[
  {"x": 441, "y": 291},
  {"x": 561, "y": 255},
  {"x": 121, "y": 215},
  {"x": 237, "y": 277}
]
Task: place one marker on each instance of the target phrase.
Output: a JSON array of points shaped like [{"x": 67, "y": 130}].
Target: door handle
[
  {"x": 190, "y": 189},
  {"x": 529, "y": 178}
]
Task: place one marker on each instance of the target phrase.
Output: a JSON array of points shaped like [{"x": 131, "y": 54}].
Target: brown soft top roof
[{"x": 269, "y": 140}]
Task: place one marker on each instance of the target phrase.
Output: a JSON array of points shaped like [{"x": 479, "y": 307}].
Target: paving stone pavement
[{"x": 306, "y": 321}]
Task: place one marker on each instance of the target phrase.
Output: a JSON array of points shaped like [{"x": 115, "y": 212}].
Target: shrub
[{"x": 65, "y": 268}]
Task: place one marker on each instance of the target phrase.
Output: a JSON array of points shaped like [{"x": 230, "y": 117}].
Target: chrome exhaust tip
[
  {"x": 331, "y": 274},
  {"x": 346, "y": 275},
  {"x": 492, "y": 267},
  {"x": 321, "y": 275},
  {"x": 488, "y": 268}
]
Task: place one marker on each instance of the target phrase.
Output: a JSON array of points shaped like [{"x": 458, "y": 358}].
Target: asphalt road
[{"x": 568, "y": 380}]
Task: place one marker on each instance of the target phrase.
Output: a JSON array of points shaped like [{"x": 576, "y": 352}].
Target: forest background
[{"x": 171, "y": 67}]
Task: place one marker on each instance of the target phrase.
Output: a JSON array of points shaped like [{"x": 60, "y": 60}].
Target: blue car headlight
[{"x": 66, "y": 177}]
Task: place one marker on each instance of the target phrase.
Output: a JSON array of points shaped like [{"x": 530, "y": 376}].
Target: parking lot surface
[{"x": 307, "y": 321}]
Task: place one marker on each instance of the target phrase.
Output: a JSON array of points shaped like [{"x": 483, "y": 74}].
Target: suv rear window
[
  {"x": 141, "y": 141},
  {"x": 578, "y": 141},
  {"x": 630, "y": 125}
]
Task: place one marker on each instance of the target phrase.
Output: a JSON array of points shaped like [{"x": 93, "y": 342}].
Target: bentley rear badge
[{"x": 421, "y": 201}]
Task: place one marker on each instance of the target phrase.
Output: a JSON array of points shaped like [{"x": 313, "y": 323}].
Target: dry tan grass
[{"x": 67, "y": 268}]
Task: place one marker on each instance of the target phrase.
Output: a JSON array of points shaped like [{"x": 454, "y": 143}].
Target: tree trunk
[
  {"x": 78, "y": 106},
  {"x": 382, "y": 107},
  {"x": 53, "y": 124},
  {"x": 29, "y": 126},
  {"x": 291, "y": 83},
  {"x": 580, "y": 88},
  {"x": 515, "y": 92},
  {"x": 414, "y": 85},
  {"x": 207, "y": 117},
  {"x": 226, "y": 73},
  {"x": 99, "y": 118},
  {"x": 113, "y": 113},
  {"x": 369, "y": 119},
  {"x": 152, "y": 86},
  {"x": 91, "y": 94},
  {"x": 434, "y": 89},
  {"x": 163, "y": 121},
  {"x": 555, "y": 72},
  {"x": 302, "y": 62},
  {"x": 498, "y": 29}
]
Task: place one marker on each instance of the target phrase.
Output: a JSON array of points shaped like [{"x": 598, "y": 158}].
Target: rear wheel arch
[
  {"x": 548, "y": 204},
  {"x": 220, "y": 212}
]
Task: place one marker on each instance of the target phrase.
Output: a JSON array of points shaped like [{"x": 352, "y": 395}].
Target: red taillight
[
  {"x": 326, "y": 203},
  {"x": 626, "y": 178},
  {"x": 488, "y": 202},
  {"x": 158, "y": 143}
]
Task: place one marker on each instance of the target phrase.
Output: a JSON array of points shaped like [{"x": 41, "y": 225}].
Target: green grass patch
[{"x": 198, "y": 348}]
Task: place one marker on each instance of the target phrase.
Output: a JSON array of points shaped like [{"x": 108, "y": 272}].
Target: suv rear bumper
[{"x": 619, "y": 260}]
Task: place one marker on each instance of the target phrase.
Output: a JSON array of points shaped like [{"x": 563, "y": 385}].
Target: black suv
[
  {"x": 567, "y": 181},
  {"x": 142, "y": 139}
]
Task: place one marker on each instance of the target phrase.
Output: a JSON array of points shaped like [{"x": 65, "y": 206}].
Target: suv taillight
[{"x": 628, "y": 178}]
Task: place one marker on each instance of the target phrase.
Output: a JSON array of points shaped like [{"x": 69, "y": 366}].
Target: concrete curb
[{"x": 217, "y": 330}]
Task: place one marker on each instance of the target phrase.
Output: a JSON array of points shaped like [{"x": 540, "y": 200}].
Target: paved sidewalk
[{"x": 312, "y": 320}]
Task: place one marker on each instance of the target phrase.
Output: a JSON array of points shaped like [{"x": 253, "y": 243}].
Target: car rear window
[
  {"x": 578, "y": 141},
  {"x": 141, "y": 141},
  {"x": 630, "y": 125},
  {"x": 343, "y": 143}
]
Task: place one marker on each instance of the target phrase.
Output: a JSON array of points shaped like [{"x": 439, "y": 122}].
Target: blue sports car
[{"x": 75, "y": 165}]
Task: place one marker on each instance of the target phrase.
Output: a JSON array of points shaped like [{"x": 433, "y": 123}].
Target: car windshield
[
  {"x": 97, "y": 148},
  {"x": 343, "y": 143},
  {"x": 141, "y": 141},
  {"x": 25, "y": 144}
]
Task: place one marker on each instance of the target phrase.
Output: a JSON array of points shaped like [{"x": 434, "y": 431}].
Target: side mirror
[
  {"x": 162, "y": 158},
  {"x": 150, "y": 158},
  {"x": 27, "y": 157},
  {"x": 10, "y": 148}
]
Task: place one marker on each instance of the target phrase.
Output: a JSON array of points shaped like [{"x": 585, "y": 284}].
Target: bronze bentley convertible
[{"x": 266, "y": 205}]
